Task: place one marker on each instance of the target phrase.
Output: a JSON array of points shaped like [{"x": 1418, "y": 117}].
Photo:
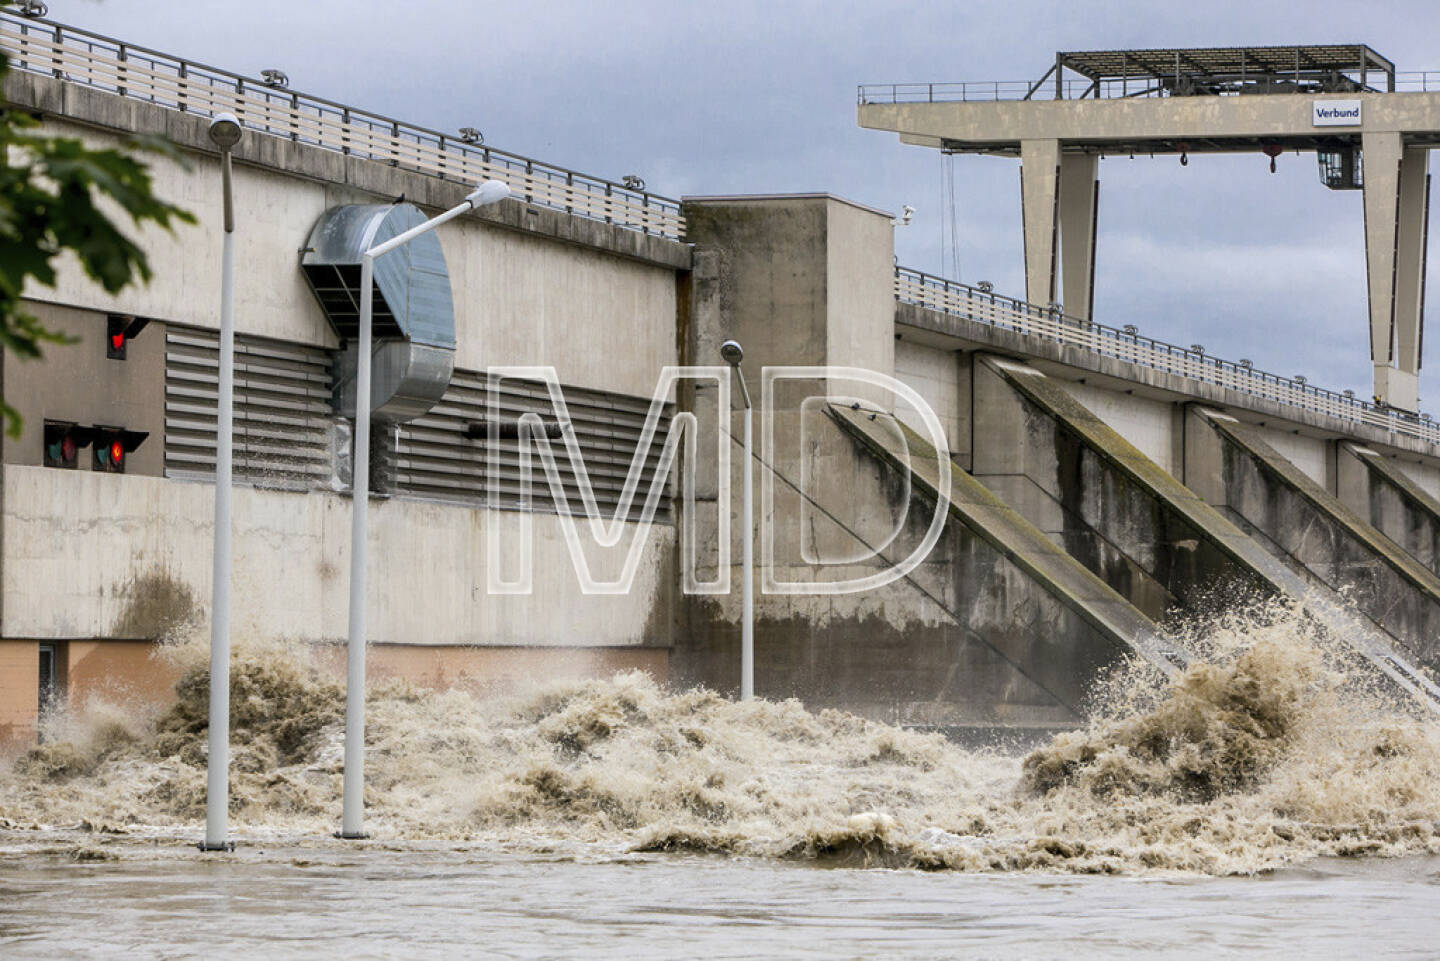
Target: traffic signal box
[
  {"x": 63, "y": 443},
  {"x": 110, "y": 446},
  {"x": 120, "y": 329}
]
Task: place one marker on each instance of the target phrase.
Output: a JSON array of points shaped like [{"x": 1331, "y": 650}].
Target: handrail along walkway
[
  {"x": 961, "y": 300},
  {"x": 36, "y": 45}
]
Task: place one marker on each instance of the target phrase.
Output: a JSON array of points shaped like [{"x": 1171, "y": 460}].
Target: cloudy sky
[{"x": 759, "y": 97}]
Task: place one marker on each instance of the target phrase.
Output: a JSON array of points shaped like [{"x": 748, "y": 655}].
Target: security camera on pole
[{"x": 225, "y": 133}]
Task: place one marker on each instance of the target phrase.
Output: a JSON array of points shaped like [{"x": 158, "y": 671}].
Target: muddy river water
[
  {"x": 1274, "y": 800},
  {"x": 447, "y": 901}
]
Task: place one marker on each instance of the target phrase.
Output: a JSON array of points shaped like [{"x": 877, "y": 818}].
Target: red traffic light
[
  {"x": 111, "y": 446},
  {"x": 120, "y": 329}
]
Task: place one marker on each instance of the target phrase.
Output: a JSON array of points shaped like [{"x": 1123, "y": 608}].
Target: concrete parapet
[{"x": 1073, "y": 362}]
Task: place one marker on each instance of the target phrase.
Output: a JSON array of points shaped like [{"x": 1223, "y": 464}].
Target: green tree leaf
[{"x": 49, "y": 193}]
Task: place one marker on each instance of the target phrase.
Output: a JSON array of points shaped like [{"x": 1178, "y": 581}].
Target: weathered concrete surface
[
  {"x": 1115, "y": 493},
  {"x": 968, "y": 638},
  {"x": 941, "y": 378},
  {"x": 1229, "y": 464},
  {"x": 1114, "y": 509},
  {"x": 997, "y": 627},
  {"x": 989, "y": 518},
  {"x": 1375, "y": 487},
  {"x": 122, "y": 556},
  {"x": 801, "y": 279},
  {"x": 531, "y": 286}
]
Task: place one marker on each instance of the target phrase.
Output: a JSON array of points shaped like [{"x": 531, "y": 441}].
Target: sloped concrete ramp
[
  {"x": 1324, "y": 542},
  {"x": 1161, "y": 526},
  {"x": 986, "y": 517},
  {"x": 1376, "y": 488}
]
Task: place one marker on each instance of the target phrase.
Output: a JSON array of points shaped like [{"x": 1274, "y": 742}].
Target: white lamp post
[
  {"x": 224, "y": 133},
  {"x": 732, "y": 354},
  {"x": 353, "y": 813}
]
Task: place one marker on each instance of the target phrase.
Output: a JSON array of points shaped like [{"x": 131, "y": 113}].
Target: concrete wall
[
  {"x": 799, "y": 279},
  {"x": 1312, "y": 455},
  {"x": 939, "y": 377},
  {"x": 1385, "y": 495},
  {"x": 1114, "y": 509},
  {"x": 76, "y": 383},
  {"x": 108, "y": 559},
  {"x": 120, "y": 556},
  {"x": 1146, "y": 423},
  {"x": 970, "y": 638},
  {"x": 112, "y": 562},
  {"x": 1234, "y": 468},
  {"x": 519, "y": 298},
  {"x": 1425, "y": 475}
]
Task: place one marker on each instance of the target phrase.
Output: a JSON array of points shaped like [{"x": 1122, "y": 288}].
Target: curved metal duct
[{"x": 413, "y": 315}]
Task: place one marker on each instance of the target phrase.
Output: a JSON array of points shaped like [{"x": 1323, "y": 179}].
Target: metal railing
[
  {"x": 1071, "y": 89},
  {"x": 67, "y": 53},
  {"x": 962, "y": 300}
]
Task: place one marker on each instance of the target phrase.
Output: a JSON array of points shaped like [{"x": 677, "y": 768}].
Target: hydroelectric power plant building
[{"x": 1098, "y": 479}]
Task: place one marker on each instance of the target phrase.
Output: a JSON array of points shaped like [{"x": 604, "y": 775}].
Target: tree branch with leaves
[{"x": 50, "y": 195}]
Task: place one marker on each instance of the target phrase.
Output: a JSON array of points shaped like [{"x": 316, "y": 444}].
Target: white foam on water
[{"x": 1275, "y": 746}]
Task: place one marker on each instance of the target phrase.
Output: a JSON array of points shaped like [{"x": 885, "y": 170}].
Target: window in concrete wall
[{"x": 51, "y": 681}]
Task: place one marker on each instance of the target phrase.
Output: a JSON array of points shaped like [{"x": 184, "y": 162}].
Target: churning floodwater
[
  {"x": 1275, "y": 797},
  {"x": 379, "y": 900}
]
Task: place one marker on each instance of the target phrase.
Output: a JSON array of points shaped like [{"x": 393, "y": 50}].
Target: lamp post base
[{"x": 222, "y": 846}]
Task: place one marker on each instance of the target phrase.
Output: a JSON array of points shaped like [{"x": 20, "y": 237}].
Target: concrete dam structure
[{"x": 1096, "y": 482}]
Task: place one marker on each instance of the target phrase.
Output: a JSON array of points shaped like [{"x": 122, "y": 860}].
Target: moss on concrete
[{"x": 972, "y": 505}]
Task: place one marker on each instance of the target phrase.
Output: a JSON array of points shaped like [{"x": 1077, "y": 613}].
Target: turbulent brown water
[{"x": 1273, "y": 748}]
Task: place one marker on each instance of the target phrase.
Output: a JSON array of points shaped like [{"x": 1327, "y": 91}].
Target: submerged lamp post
[
  {"x": 224, "y": 133},
  {"x": 732, "y": 354},
  {"x": 353, "y": 813}
]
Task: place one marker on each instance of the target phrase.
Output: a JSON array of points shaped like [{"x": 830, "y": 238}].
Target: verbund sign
[{"x": 1336, "y": 113}]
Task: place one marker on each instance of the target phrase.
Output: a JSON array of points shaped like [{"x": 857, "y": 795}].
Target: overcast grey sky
[{"x": 759, "y": 97}]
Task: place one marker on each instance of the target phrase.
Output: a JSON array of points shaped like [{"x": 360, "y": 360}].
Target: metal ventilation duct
[{"x": 413, "y": 316}]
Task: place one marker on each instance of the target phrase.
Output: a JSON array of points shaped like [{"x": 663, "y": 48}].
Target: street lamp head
[
  {"x": 225, "y": 130},
  {"x": 490, "y": 192},
  {"x": 731, "y": 353}
]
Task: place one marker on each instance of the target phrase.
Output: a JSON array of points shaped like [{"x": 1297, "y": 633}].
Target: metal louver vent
[
  {"x": 282, "y": 409},
  {"x": 433, "y": 458},
  {"x": 285, "y": 431}
]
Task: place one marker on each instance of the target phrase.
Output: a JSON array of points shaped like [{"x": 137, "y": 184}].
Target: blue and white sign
[{"x": 1336, "y": 113}]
